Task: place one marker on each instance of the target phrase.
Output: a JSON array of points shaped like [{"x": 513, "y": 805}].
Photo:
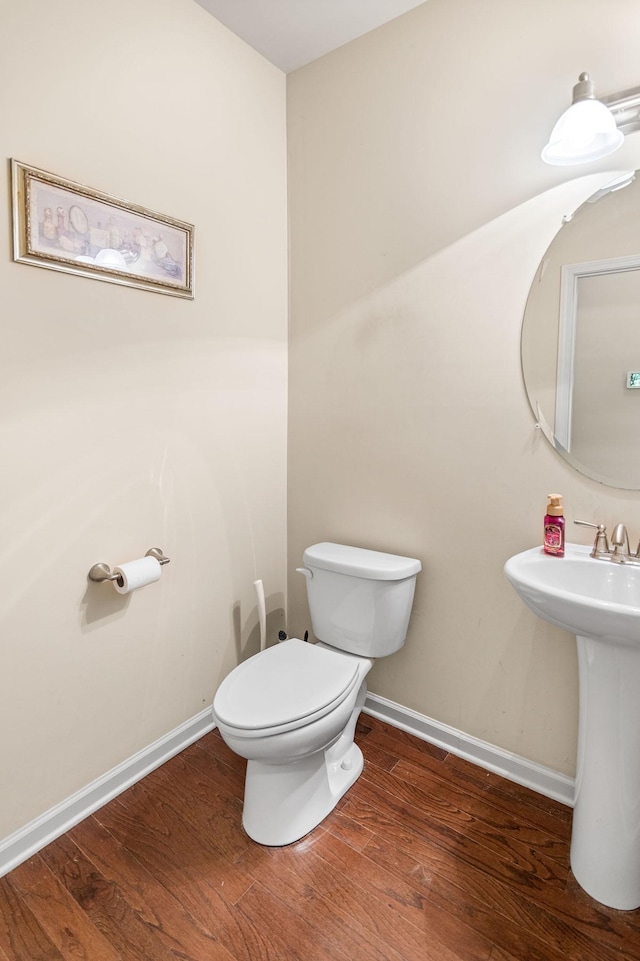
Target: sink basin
[
  {"x": 599, "y": 602},
  {"x": 577, "y": 592}
]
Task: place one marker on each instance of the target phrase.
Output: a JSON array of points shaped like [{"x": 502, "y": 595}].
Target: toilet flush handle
[{"x": 305, "y": 570}]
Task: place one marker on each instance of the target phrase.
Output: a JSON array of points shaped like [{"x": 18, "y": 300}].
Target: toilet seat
[{"x": 283, "y": 688}]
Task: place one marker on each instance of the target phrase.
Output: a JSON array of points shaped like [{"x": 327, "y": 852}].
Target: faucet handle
[
  {"x": 620, "y": 541},
  {"x": 601, "y": 543}
]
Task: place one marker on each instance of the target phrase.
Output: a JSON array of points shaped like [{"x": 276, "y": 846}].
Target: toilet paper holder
[{"x": 102, "y": 572}]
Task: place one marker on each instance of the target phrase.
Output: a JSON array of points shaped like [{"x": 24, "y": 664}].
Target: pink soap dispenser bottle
[{"x": 554, "y": 526}]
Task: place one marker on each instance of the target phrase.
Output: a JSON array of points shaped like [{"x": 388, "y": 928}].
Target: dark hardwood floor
[{"x": 427, "y": 857}]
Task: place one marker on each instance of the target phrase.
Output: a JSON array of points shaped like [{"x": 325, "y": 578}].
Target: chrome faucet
[
  {"x": 620, "y": 551},
  {"x": 620, "y": 543}
]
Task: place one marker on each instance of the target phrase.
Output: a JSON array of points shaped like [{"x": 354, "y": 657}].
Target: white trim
[
  {"x": 566, "y": 354},
  {"x": 542, "y": 779},
  {"x": 25, "y": 842}
]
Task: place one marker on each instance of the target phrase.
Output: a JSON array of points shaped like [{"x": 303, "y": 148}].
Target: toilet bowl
[
  {"x": 291, "y": 710},
  {"x": 301, "y": 756}
]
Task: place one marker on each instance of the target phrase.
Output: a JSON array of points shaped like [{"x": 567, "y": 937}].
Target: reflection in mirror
[{"x": 581, "y": 337}]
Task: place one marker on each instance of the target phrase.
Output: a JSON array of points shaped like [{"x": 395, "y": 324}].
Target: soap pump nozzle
[{"x": 554, "y": 507}]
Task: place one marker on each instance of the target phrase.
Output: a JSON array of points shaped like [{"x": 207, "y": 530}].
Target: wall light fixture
[{"x": 590, "y": 128}]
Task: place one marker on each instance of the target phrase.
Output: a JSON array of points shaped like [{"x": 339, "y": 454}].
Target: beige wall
[
  {"x": 130, "y": 419},
  {"x": 419, "y": 211}
]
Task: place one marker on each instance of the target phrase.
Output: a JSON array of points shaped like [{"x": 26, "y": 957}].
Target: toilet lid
[{"x": 283, "y": 684}]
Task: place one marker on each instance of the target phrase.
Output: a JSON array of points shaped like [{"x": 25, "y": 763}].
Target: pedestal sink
[{"x": 599, "y": 602}]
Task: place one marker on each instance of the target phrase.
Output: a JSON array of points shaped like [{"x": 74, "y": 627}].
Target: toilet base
[{"x": 283, "y": 802}]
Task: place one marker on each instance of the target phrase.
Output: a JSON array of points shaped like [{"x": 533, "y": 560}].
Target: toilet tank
[{"x": 359, "y": 600}]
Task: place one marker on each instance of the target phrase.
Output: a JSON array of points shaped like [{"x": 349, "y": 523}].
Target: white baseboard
[
  {"x": 24, "y": 843},
  {"x": 545, "y": 780}
]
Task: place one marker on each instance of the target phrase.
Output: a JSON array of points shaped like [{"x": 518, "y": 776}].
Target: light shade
[
  {"x": 108, "y": 257},
  {"x": 586, "y": 131}
]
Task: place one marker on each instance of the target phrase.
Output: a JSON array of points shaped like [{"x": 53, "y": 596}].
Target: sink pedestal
[
  {"x": 605, "y": 840},
  {"x": 598, "y": 601}
]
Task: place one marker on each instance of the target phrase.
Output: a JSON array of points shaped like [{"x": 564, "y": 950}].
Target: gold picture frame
[{"x": 62, "y": 225}]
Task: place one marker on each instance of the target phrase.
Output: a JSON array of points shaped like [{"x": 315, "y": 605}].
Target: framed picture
[
  {"x": 633, "y": 378},
  {"x": 62, "y": 225}
]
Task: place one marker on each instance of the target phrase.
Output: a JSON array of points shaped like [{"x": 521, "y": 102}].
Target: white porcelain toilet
[{"x": 291, "y": 710}]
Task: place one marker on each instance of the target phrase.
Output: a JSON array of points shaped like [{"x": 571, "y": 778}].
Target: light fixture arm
[{"x": 625, "y": 107}]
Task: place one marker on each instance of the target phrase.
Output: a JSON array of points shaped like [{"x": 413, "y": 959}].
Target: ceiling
[{"x": 291, "y": 33}]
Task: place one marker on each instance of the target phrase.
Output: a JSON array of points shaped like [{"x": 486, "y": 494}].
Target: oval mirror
[{"x": 581, "y": 337}]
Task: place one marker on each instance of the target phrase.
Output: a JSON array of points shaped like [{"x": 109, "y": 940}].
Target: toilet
[{"x": 291, "y": 710}]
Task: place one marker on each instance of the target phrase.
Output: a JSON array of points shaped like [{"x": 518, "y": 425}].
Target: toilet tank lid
[{"x": 359, "y": 562}]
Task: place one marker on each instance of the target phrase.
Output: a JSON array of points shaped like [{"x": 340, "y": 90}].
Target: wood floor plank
[
  {"x": 497, "y": 913},
  {"x": 406, "y": 829},
  {"x": 499, "y": 787},
  {"x": 502, "y": 839},
  {"x": 471, "y": 780},
  {"x": 499, "y": 955},
  {"x": 182, "y": 932},
  {"x": 275, "y": 932},
  {"x": 399, "y": 743},
  {"x": 504, "y": 819},
  {"x": 196, "y": 885},
  {"x": 181, "y": 840},
  {"x": 133, "y": 910},
  {"x": 203, "y": 900},
  {"x": 22, "y": 938},
  {"x": 336, "y": 901},
  {"x": 353, "y": 936},
  {"x": 352, "y": 832},
  {"x": 440, "y": 933},
  {"x": 215, "y": 791},
  {"x": 59, "y": 915}
]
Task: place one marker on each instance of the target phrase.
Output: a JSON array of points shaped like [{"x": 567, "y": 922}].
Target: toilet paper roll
[{"x": 136, "y": 574}]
